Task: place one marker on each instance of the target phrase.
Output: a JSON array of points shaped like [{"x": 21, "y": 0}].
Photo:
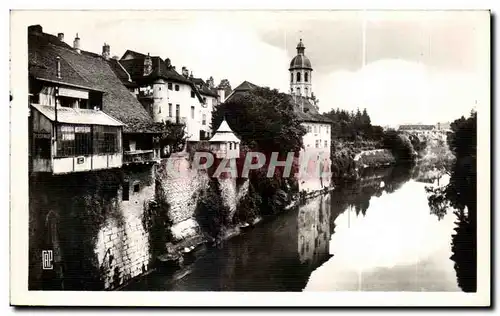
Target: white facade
[
  {"x": 175, "y": 102},
  {"x": 206, "y": 114},
  {"x": 318, "y": 137}
]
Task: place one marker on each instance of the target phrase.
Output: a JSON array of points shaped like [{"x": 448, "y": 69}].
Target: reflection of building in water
[{"x": 314, "y": 230}]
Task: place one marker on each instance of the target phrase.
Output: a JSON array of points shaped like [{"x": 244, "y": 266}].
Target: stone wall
[
  {"x": 183, "y": 187},
  {"x": 123, "y": 245}
]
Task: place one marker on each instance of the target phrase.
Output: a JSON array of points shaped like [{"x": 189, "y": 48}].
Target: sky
[{"x": 403, "y": 67}]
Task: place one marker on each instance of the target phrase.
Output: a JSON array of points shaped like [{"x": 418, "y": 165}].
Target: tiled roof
[
  {"x": 246, "y": 86},
  {"x": 42, "y": 62},
  {"x": 77, "y": 116},
  {"x": 89, "y": 70},
  {"x": 121, "y": 73},
  {"x": 135, "y": 67},
  {"x": 204, "y": 90},
  {"x": 133, "y": 53}
]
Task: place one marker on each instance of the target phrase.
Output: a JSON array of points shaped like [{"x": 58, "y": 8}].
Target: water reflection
[
  {"x": 378, "y": 230},
  {"x": 394, "y": 246}
]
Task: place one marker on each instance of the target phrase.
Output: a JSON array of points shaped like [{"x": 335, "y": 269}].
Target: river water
[{"x": 375, "y": 235}]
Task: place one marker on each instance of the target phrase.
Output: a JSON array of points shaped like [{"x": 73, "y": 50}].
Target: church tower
[{"x": 300, "y": 73}]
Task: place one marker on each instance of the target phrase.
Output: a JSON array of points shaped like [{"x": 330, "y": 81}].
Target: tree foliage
[
  {"x": 353, "y": 125},
  {"x": 173, "y": 137},
  {"x": 264, "y": 119},
  {"x": 460, "y": 192},
  {"x": 400, "y": 146}
]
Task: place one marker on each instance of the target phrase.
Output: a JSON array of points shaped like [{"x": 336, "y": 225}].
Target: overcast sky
[{"x": 408, "y": 67}]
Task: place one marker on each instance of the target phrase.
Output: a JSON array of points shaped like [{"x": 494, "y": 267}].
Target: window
[
  {"x": 298, "y": 77},
  {"x": 177, "y": 112},
  {"x": 65, "y": 140},
  {"x": 67, "y": 102},
  {"x": 192, "y": 94},
  {"x": 315, "y": 129},
  {"x": 159, "y": 109},
  {"x": 291, "y": 77},
  {"x": 326, "y": 143},
  {"x": 170, "y": 110},
  {"x": 298, "y": 91},
  {"x": 83, "y": 141},
  {"x": 306, "y": 77},
  {"x": 309, "y": 129},
  {"x": 306, "y": 91},
  {"x": 204, "y": 119},
  {"x": 169, "y": 86},
  {"x": 230, "y": 146},
  {"x": 136, "y": 187},
  {"x": 317, "y": 143},
  {"x": 176, "y": 87},
  {"x": 106, "y": 140},
  {"x": 192, "y": 112},
  {"x": 126, "y": 191}
]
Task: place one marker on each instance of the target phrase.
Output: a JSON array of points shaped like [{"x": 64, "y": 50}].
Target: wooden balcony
[{"x": 140, "y": 157}]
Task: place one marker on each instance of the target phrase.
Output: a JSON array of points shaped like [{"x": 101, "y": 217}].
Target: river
[{"x": 375, "y": 235}]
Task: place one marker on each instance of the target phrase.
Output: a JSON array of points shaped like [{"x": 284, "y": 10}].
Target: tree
[
  {"x": 226, "y": 86},
  {"x": 400, "y": 146},
  {"x": 461, "y": 194},
  {"x": 173, "y": 137},
  {"x": 264, "y": 119}
]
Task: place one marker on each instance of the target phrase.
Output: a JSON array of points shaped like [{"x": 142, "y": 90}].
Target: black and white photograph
[{"x": 318, "y": 152}]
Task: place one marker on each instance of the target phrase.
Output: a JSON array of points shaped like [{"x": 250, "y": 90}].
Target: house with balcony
[
  {"x": 69, "y": 131},
  {"x": 83, "y": 118}
]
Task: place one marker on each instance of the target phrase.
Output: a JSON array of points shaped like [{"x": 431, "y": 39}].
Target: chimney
[
  {"x": 37, "y": 29},
  {"x": 191, "y": 75},
  {"x": 58, "y": 67},
  {"x": 106, "y": 51},
  {"x": 76, "y": 43},
  {"x": 148, "y": 65},
  {"x": 60, "y": 36},
  {"x": 185, "y": 72},
  {"x": 168, "y": 62}
]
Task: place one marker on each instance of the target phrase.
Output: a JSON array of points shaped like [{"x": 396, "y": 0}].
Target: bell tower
[{"x": 301, "y": 73}]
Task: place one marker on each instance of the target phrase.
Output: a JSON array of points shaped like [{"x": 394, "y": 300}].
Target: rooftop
[{"x": 87, "y": 70}]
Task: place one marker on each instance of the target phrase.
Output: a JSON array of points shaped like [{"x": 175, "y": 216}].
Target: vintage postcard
[{"x": 250, "y": 158}]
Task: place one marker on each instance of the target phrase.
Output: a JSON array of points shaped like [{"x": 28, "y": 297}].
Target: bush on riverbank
[
  {"x": 211, "y": 213},
  {"x": 400, "y": 145},
  {"x": 248, "y": 207}
]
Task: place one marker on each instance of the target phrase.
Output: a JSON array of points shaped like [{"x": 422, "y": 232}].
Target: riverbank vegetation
[
  {"x": 266, "y": 122},
  {"x": 460, "y": 194}
]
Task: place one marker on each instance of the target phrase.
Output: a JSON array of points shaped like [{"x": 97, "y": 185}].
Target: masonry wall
[
  {"x": 183, "y": 187},
  {"x": 123, "y": 245}
]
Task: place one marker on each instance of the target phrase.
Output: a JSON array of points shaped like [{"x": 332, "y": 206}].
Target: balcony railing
[{"x": 139, "y": 156}]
